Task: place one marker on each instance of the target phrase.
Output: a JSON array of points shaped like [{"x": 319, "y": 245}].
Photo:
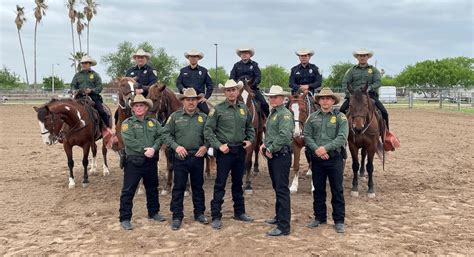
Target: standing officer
[
  {"x": 277, "y": 149},
  {"x": 325, "y": 135},
  {"x": 247, "y": 70},
  {"x": 143, "y": 72},
  {"x": 197, "y": 77},
  {"x": 361, "y": 74},
  {"x": 142, "y": 139},
  {"x": 305, "y": 76},
  {"x": 87, "y": 82},
  {"x": 184, "y": 133},
  {"x": 229, "y": 129}
]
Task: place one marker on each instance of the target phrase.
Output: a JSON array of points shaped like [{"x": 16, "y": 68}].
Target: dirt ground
[{"x": 424, "y": 202}]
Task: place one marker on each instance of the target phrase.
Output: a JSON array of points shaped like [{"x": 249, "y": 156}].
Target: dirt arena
[{"x": 424, "y": 202}]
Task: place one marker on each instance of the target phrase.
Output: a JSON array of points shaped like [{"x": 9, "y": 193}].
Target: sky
[{"x": 400, "y": 32}]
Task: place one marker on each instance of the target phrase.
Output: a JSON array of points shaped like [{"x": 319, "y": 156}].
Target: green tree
[
  {"x": 19, "y": 21},
  {"x": 8, "y": 79},
  {"x": 334, "y": 80},
  {"x": 118, "y": 62},
  {"x": 40, "y": 11},
  {"x": 388, "y": 80},
  {"x": 222, "y": 75},
  {"x": 76, "y": 58},
  {"x": 274, "y": 74},
  {"x": 48, "y": 83}
]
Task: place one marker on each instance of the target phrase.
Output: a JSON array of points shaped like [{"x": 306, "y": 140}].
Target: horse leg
[
  {"x": 169, "y": 168},
  {"x": 309, "y": 173},
  {"x": 248, "y": 170},
  {"x": 85, "y": 163},
  {"x": 105, "y": 166},
  {"x": 70, "y": 164},
  {"x": 370, "y": 171},
  {"x": 255, "y": 164},
  {"x": 355, "y": 170},
  {"x": 362, "y": 163},
  {"x": 296, "y": 169},
  {"x": 93, "y": 170},
  {"x": 208, "y": 167}
]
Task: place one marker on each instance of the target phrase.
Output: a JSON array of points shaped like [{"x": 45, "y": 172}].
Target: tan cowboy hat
[
  {"x": 194, "y": 52},
  {"x": 239, "y": 50},
  {"x": 141, "y": 52},
  {"x": 139, "y": 98},
  {"x": 326, "y": 91},
  {"x": 189, "y": 93},
  {"x": 231, "y": 83},
  {"x": 362, "y": 51},
  {"x": 277, "y": 90},
  {"x": 304, "y": 51},
  {"x": 87, "y": 58}
]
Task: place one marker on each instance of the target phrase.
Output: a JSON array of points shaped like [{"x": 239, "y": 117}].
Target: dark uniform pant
[
  {"x": 194, "y": 167},
  {"x": 333, "y": 170},
  {"x": 263, "y": 103},
  {"x": 98, "y": 104},
  {"x": 279, "y": 169},
  {"x": 136, "y": 169},
  {"x": 345, "y": 106},
  {"x": 203, "y": 107},
  {"x": 233, "y": 163}
]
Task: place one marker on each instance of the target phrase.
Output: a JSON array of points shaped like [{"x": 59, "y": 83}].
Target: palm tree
[
  {"x": 79, "y": 28},
  {"x": 72, "y": 16},
  {"x": 76, "y": 58},
  {"x": 40, "y": 11},
  {"x": 89, "y": 10},
  {"x": 19, "y": 21}
]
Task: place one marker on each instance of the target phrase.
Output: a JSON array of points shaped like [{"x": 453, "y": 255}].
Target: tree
[
  {"x": 8, "y": 79},
  {"x": 90, "y": 10},
  {"x": 19, "y": 21},
  {"x": 222, "y": 75},
  {"x": 388, "y": 80},
  {"x": 40, "y": 11},
  {"x": 427, "y": 75},
  {"x": 79, "y": 28},
  {"x": 48, "y": 83},
  {"x": 274, "y": 74},
  {"x": 72, "y": 17},
  {"x": 334, "y": 80},
  {"x": 76, "y": 58},
  {"x": 118, "y": 62}
]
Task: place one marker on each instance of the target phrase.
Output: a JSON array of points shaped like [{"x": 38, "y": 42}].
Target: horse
[
  {"x": 299, "y": 105},
  {"x": 366, "y": 127},
  {"x": 258, "y": 123},
  {"x": 73, "y": 123}
]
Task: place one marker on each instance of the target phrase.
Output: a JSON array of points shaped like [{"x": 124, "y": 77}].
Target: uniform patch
[
  {"x": 200, "y": 119},
  {"x": 154, "y": 72},
  {"x": 333, "y": 119},
  {"x": 151, "y": 124},
  {"x": 370, "y": 71},
  {"x": 275, "y": 117},
  {"x": 343, "y": 117},
  {"x": 144, "y": 72},
  {"x": 212, "y": 111},
  {"x": 91, "y": 76},
  {"x": 200, "y": 73},
  {"x": 132, "y": 73},
  {"x": 124, "y": 127},
  {"x": 310, "y": 70},
  {"x": 287, "y": 117},
  {"x": 242, "y": 111},
  {"x": 251, "y": 67}
]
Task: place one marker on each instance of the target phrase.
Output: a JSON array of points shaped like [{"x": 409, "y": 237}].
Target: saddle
[{"x": 390, "y": 141}]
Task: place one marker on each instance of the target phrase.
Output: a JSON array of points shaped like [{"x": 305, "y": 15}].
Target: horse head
[
  {"x": 298, "y": 106},
  {"x": 360, "y": 108},
  {"x": 164, "y": 101},
  {"x": 126, "y": 91}
]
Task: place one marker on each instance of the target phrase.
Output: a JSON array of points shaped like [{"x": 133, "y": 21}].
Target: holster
[{"x": 123, "y": 159}]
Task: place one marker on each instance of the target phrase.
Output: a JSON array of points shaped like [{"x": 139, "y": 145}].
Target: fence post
[
  {"x": 440, "y": 99},
  {"x": 410, "y": 99},
  {"x": 459, "y": 100},
  {"x": 472, "y": 99}
]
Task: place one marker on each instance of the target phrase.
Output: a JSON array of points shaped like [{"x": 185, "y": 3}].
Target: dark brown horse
[
  {"x": 300, "y": 107},
  {"x": 72, "y": 123},
  {"x": 126, "y": 93},
  {"x": 258, "y": 123},
  {"x": 365, "y": 130}
]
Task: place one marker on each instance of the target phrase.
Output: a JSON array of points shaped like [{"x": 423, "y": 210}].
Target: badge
[
  {"x": 310, "y": 70},
  {"x": 369, "y": 71},
  {"x": 200, "y": 119},
  {"x": 185, "y": 74},
  {"x": 151, "y": 124},
  {"x": 154, "y": 72},
  {"x": 297, "y": 73},
  {"x": 132, "y": 73},
  {"x": 200, "y": 73},
  {"x": 124, "y": 127},
  {"x": 242, "y": 111},
  {"x": 144, "y": 72},
  {"x": 275, "y": 117},
  {"x": 251, "y": 67},
  {"x": 91, "y": 76},
  {"x": 333, "y": 119},
  {"x": 211, "y": 112}
]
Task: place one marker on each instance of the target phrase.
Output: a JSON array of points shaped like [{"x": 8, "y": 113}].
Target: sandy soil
[{"x": 424, "y": 202}]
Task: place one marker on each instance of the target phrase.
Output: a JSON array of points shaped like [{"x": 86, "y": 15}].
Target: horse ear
[{"x": 36, "y": 108}]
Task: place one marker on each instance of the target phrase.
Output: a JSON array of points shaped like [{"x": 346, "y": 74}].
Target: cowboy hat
[
  {"x": 326, "y": 91},
  {"x": 139, "y": 98},
  {"x": 231, "y": 83},
  {"x": 304, "y": 51},
  {"x": 276, "y": 90},
  {"x": 239, "y": 50},
  {"x": 189, "y": 93},
  {"x": 194, "y": 52},
  {"x": 141, "y": 52},
  {"x": 87, "y": 58},
  {"x": 362, "y": 51}
]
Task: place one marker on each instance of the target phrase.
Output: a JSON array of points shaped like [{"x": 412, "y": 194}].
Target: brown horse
[
  {"x": 366, "y": 127},
  {"x": 258, "y": 123},
  {"x": 126, "y": 93},
  {"x": 300, "y": 107},
  {"x": 72, "y": 123}
]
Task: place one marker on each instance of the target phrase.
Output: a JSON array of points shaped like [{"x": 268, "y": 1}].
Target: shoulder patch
[
  {"x": 124, "y": 127},
  {"x": 343, "y": 116},
  {"x": 287, "y": 117}
]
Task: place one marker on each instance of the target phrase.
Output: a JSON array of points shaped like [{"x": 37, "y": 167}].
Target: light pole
[
  {"x": 52, "y": 84},
  {"x": 216, "y": 83}
]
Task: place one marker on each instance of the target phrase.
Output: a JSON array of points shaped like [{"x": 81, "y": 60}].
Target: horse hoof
[
  {"x": 293, "y": 190},
  {"x": 84, "y": 185},
  {"x": 186, "y": 193},
  {"x": 371, "y": 195},
  {"x": 164, "y": 192},
  {"x": 106, "y": 173},
  {"x": 255, "y": 173},
  {"x": 248, "y": 191},
  {"x": 354, "y": 193},
  {"x": 71, "y": 186}
]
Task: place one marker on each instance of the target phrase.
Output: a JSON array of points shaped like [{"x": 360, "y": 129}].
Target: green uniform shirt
[
  {"x": 280, "y": 128},
  {"x": 358, "y": 76},
  {"x": 87, "y": 78},
  {"x": 139, "y": 134},
  {"x": 185, "y": 130},
  {"x": 320, "y": 130},
  {"x": 228, "y": 123}
]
